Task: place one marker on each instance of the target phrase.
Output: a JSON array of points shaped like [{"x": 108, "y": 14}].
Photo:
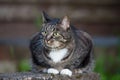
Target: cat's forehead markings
[{"x": 50, "y": 27}]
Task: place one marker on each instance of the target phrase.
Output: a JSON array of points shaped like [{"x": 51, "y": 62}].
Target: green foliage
[
  {"x": 99, "y": 67},
  {"x": 108, "y": 65},
  {"x": 11, "y": 49},
  {"x": 116, "y": 77},
  {"x": 38, "y": 22},
  {"x": 99, "y": 64},
  {"x": 24, "y": 65},
  {"x": 103, "y": 77}
]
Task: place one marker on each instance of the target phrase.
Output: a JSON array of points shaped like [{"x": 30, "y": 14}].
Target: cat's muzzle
[{"x": 53, "y": 44}]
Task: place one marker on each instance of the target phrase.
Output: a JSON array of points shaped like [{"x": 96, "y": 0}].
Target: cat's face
[{"x": 56, "y": 34}]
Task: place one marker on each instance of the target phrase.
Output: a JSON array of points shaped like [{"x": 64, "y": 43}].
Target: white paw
[
  {"x": 80, "y": 71},
  {"x": 53, "y": 71},
  {"x": 66, "y": 72}
]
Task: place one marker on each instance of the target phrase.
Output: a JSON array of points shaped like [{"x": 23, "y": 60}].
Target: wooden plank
[
  {"x": 26, "y": 30},
  {"x": 15, "y": 13},
  {"x": 30, "y": 13},
  {"x": 13, "y": 30},
  {"x": 92, "y": 2},
  {"x": 100, "y": 29}
]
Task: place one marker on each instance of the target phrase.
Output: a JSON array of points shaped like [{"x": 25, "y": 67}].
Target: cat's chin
[{"x": 55, "y": 48}]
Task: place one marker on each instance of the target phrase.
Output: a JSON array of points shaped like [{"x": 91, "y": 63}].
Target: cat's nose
[{"x": 49, "y": 36}]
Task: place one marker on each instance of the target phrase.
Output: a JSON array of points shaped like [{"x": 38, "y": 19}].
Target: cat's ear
[
  {"x": 45, "y": 17},
  {"x": 65, "y": 24}
]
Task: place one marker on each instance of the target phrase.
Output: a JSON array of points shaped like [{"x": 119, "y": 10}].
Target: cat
[{"x": 60, "y": 48}]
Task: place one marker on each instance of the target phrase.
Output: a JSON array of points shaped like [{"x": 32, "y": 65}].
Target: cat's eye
[
  {"x": 44, "y": 33},
  {"x": 56, "y": 34}
]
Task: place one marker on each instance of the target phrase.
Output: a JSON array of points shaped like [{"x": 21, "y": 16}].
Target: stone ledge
[{"x": 40, "y": 76}]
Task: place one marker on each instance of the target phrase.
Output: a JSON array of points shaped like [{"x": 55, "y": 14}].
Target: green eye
[
  {"x": 56, "y": 34},
  {"x": 44, "y": 33}
]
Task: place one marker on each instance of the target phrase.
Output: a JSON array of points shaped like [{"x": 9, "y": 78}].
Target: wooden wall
[{"x": 98, "y": 17}]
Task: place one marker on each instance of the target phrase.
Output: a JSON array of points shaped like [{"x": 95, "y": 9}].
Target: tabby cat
[{"x": 59, "y": 48}]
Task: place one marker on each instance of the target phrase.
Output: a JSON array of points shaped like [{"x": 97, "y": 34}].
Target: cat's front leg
[
  {"x": 88, "y": 68},
  {"x": 66, "y": 72},
  {"x": 52, "y": 71}
]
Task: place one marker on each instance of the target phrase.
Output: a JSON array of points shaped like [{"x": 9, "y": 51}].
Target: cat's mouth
[{"x": 53, "y": 44}]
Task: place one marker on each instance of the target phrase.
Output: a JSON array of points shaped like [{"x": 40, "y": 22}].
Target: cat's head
[{"x": 56, "y": 32}]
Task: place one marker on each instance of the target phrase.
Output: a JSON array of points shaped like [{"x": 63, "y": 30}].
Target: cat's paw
[
  {"x": 66, "y": 72},
  {"x": 52, "y": 71},
  {"x": 80, "y": 71}
]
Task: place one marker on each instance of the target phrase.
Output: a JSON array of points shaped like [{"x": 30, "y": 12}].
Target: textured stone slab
[{"x": 38, "y": 76}]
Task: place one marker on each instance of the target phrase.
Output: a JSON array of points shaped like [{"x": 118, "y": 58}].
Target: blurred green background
[{"x": 21, "y": 19}]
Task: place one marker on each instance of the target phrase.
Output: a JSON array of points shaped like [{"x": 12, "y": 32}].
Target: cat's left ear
[
  {"x": 45, "y": 17},
  {"x": 65, "y": 24}
]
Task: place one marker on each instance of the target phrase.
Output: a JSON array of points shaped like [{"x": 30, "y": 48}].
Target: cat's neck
[{"x": 58, "y": 55}]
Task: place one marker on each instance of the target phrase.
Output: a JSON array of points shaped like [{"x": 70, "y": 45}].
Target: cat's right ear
[
  {"x": 45, "y": 17},
  {"x": 65, "y": 24}
]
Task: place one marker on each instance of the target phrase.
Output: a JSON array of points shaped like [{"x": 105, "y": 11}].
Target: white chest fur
[{"x": 58, "y": 55}]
